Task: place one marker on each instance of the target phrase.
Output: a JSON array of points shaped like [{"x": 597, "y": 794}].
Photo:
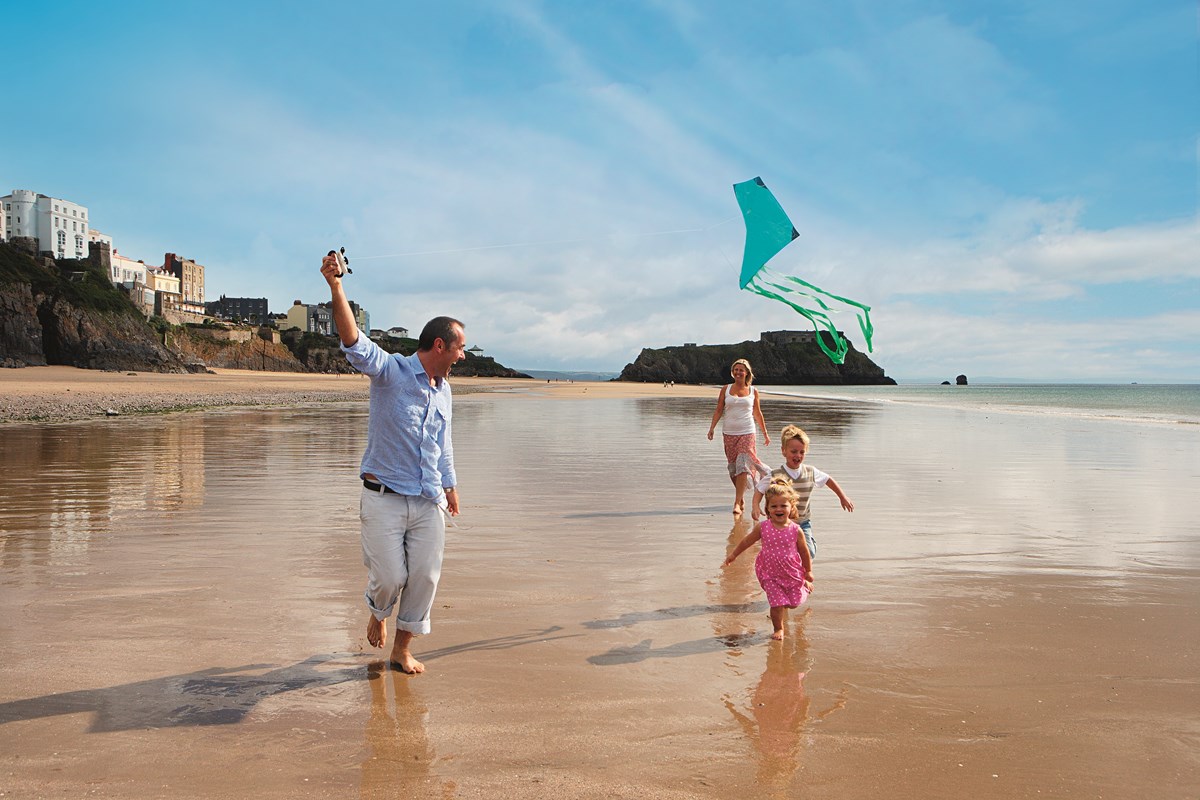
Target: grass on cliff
[{"x": 80, "y": 283}]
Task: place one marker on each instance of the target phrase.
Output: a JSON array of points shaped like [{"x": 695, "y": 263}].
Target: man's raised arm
[{"x": 343, "y": 317}]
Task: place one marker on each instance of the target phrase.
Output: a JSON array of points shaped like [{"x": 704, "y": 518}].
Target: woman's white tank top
[{"x": 738, "y": 419}]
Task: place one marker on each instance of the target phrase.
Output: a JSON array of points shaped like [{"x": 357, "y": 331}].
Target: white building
[
  {"x": 127, "y": 271},
  {"x": 60, "y": 226}
]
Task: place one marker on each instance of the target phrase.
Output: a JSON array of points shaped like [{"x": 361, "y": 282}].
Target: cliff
[
  {"x": 69, "y": 313},
  {"x": 795, "y": 364},
  {"x": 198, "y": 344},
  {"x": 321, "y": 354}
]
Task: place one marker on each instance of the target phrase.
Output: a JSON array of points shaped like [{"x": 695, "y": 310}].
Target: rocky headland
[
  {"x": 68, "y": 313},
  {"x": 782, "y": 358}
]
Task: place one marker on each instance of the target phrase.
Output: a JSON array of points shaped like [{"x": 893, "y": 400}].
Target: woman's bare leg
[{"x": 739, "y": 493}]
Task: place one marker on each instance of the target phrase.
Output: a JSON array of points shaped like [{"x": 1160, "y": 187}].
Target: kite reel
[{"x": 343, "y": 262}]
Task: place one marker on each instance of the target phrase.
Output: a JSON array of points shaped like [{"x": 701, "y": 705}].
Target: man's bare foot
[
  {"x": 402, "y": 658},
  {"x": 738, "y": 508},
  {"x": 777, "y": 635},
  {"x": 405, "y": 662},
  {"x": 376, "y": 632}
]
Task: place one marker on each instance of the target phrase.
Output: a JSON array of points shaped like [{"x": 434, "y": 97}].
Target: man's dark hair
[{"x": 438, "y": 328}]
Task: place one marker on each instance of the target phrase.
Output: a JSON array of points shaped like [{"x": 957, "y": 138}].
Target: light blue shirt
[{"x": 408, "y": 433}]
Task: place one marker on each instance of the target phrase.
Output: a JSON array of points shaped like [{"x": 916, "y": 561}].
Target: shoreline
[{"x": 58, "y": 394}]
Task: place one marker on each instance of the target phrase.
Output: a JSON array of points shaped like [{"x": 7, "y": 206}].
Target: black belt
[{"x": 378, "y": 487}]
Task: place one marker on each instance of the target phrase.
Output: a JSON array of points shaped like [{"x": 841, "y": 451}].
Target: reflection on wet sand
[
  {"x": 66, "y": 486},
  {"x": 778, "y": 711},
  {"x": 727, "y": 612},
  {"x": 400, "y": 757}
]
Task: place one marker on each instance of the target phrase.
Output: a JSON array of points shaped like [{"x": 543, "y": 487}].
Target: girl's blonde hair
[
  {"x": 749, "y": 370},
  {"x": 790, "y": 432},
  {"x": 781, "y": 487}
]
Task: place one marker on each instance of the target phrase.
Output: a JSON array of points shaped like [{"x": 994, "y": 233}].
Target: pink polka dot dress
[{"x": 778, "y": 566}]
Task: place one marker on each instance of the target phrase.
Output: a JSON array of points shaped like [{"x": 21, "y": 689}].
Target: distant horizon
[{"x": 983, "y": 380}]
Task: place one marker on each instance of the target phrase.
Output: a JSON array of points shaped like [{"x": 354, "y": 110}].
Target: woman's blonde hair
[
  {"x": 749, "y": 370},
  {"x": 790, "y": 432}
]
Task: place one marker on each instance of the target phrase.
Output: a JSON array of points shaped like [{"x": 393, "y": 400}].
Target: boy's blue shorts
[{"x": 806, "y": 526}]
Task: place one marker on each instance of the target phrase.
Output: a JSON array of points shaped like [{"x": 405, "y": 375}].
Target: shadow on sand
[{"x": 220, "y": 695}]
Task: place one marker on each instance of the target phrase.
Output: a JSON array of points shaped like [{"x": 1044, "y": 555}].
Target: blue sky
[{"x": 1011, "y": 186}]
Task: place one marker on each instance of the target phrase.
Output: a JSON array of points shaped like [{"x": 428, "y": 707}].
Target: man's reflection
[{"x": 400, "y": 756}]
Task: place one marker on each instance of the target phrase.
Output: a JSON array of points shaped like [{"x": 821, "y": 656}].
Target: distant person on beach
[
  {"x": 804, "y": 479},
  {"x": 407, "y": 471},
  {"x": 738, "y": 410},
  {"x": 784, "y": 565}
]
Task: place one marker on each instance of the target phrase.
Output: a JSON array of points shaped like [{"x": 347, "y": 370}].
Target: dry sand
[
  {"x": 181, "y": 612},
  {"x": 67, "y": 394}
]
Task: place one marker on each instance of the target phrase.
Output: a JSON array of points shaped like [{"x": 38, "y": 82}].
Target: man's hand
[
  {"x": 329, "y": 268},
  {"x": 451, "y": 493}
]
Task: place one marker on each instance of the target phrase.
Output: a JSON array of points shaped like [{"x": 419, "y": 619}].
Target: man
[{"x": 407, "y": 471}]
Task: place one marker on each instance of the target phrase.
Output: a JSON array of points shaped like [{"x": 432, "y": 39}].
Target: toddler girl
[{"x": 784, "y": 565}]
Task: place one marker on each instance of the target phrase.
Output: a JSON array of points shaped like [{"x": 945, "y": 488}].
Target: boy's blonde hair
[
  {"x": 790, "y": 432},
  {"x": 749, "y": 370}
]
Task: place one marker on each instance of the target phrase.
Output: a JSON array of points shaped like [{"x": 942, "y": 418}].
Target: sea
[{"x": 1161, "y": 404}]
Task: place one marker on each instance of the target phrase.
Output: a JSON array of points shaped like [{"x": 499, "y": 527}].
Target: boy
[{"x": 804, "y": 478}]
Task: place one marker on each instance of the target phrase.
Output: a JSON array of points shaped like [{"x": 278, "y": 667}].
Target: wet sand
[{"x": 1013, "y": 610}]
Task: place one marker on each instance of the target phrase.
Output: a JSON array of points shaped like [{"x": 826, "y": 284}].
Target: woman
[{"x": 737, "y": 407}]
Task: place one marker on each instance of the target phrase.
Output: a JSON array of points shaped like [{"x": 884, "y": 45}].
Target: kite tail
[
  {"x": 819, "y": 319},
  {"x": 863, "y": 314}
]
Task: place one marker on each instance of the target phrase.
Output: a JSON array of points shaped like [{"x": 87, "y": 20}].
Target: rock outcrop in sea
[{"x": 778, "y": 359}]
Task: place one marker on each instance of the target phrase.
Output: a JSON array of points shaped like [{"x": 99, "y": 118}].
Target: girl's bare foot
[
  {"x": 376, "y": 632},
  {"x": 778, "y": 635}
]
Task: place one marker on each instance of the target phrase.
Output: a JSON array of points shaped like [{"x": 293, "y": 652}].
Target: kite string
[{"x": 547, "y": 242}]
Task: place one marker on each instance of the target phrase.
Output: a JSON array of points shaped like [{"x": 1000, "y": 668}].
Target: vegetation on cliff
[
  {"x": 68, "y": 312},
  {"x": 80, "y": 283}
]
